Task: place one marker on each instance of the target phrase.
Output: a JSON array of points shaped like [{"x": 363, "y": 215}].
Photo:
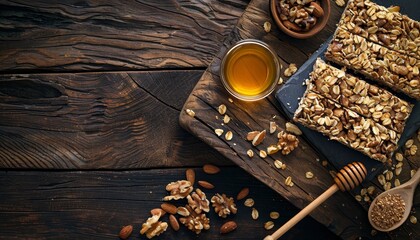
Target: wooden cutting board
[{"x": 341, "y": 213}]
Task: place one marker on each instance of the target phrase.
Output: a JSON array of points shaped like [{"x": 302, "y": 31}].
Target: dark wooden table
[{"x": 90, "y": 94}]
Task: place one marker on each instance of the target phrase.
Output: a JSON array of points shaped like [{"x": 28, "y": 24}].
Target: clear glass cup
[{"x": 250, "y": 70}]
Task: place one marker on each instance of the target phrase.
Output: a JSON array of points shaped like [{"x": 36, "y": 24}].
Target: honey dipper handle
[{"x": 308, "y": 209}]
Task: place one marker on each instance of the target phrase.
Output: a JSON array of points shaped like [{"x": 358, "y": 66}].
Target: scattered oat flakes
[
  {"x": 280, "y": 81},
  {"x": 397, "y": 182},
  {"x": 288, "y": 181},
  {"x": 409, "y": 143},
  {"x": 413, "y": 219},
  {"x": 254, "y": 214},
  {"x": 268, "y": 225},
  {"x": 340, "y": 3},
  {"x": 249, "y": 202},
  {"x": 399, "y": 157},
  {"x": 412, "y": 172},
  {"x": 274, "y": 215},
  {"x": 222, "y": 109},
  {"x": 267, "y": 27},
  {"x": 358, "y": 198},
  {"x": 190, "y": 112},
  {"x": 250, "y": 153},
  {"x": 278, "y": 164},
  {"x": 229, "y": 135},
  {"x": 309, "y": 175},
  {"x": 230, "y": 100},
  {"x": 218, "y": 132},
  {"x": 324, "y": 163},
  {"x": 263, "y": 154},
  {"x": 226, "y": 119}
]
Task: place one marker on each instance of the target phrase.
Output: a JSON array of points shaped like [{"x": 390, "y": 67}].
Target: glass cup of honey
[{"x": 250, "y": 69}]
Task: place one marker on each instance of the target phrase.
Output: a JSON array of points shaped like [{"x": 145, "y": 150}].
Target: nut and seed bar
[
  {"x": 383, "y": 26},
  {"x": 388, "y": 67},
  {"x": 346, "y": 126},
  {"x": 359, "y": 96}
]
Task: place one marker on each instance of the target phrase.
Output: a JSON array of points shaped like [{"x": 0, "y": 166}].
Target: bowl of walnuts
[{"x": 300, "y": 18}]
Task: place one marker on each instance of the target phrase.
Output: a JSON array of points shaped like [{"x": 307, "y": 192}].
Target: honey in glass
[{"x": 250, "y": 70}]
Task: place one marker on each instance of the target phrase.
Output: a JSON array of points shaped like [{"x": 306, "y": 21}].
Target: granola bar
[
  {"x": 359, "y": 96},
  {"x": 346, "y": 126},
  {"x": 383, "y": 26},
  {"x": 388, "y": 67}
]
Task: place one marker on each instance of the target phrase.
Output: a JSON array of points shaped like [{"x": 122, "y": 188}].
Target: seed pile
[{"x": 388, "y": 211}]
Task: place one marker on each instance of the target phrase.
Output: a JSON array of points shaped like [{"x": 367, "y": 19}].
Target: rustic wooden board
[
  {"x": 110, "y": 120},
  {"x": 95, "y": 204},
  {"x": 341, "y": 213},
  {"x": 110, "y": 35}
]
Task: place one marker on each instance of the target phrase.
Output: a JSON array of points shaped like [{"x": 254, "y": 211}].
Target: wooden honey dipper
[{"x": 349, "y": 177}]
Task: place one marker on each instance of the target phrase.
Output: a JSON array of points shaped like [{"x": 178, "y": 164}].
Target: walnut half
[
  {"x": 198, "y": 201},
  {"x": 179, "y": 190},
  {"x": 153, "y": 227},
  {"x": 223, "y": 205},
  {"x": 195, "y": 221},
  {"x": 287, "y": 142}
]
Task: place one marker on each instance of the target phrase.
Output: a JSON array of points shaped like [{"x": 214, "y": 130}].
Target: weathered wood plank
[
  {"x": 341, "y": 213},
  {"x": 98, "y": 120},
  {"x": 111, "y": 35},
  {"x": 94, "y": 205}
]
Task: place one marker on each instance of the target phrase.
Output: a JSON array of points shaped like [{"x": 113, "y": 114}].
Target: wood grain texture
[
  {"x": 112, "y": 35},
  {"x": 341, "y": 213},
  {"x": 96, "y": 204},
  {"x": 98, "y": 120}
]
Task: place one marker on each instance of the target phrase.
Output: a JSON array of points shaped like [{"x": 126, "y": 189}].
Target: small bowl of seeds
[{"x": 300, "y": 18}]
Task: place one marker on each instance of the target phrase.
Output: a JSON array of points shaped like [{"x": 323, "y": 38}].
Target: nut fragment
[
  {"x": 153, "y": 227},
  {"x": 317, "y": 10},
  {"x": 223, "y": 205},
  {"x": 287, "y": 142},
  {"x": 222, "y": 109},
  {"x": 268, "y": 225},
  {"x": 205, "y": 184},
  {"x": 290, "y": 70},
  {"x": 183, "y": 211},
  {"x": 258, "y": 138},
  {"x": 229, "y": 135},
  {"x": 249, "y": 202},
  {"x": 272, "y": 149},
  {"x": 273, "y": 127},
  {"x": 218, "y": 132},
  {"x": 178, "y": 190},
  {"x": 250, "y": 153},
  {"x": 157, "y": 211},
  {"x": 292, "y": 128},
  {"x": 274, "y": 215},
  {"x": 242, "y": 194},
  {"x": 211, "y": 169},
  {"x": 228, "y": 227},
  {"x": 267, "y": 27},
  {"x": 125, "y": 232},
  {"x": 251, "y": 135},
  {"x": 194, "y": 221},
  {"x": 198, "y": 201},
  {"x": 309, "y": 175},
  {"x": 190, "y": 175},
  {"x": 173, "y": 222}
]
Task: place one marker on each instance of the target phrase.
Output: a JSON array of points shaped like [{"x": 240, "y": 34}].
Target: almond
[
  {"x": 173, "y": 222},
  {"x": 206, "y": 184},
  {"x": 157, "y": 211},
  {"x": 242, "y": 194},
  {"x": 258, "y": 138},
  {"x": 211, "y": 169},
  {"x": 228, "y": 227},
  {"x": 318, "y": 11},
  {"x": 251, "y": 135},
  {"x": 190, "y": 175},
  {"x": 292, "y": 26},
  {"x": 169, "y": 208},
  {"x": 125, "y": 232}
]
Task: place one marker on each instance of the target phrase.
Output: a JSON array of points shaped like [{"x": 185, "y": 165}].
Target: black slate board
[{"x": 338, "y": 154}]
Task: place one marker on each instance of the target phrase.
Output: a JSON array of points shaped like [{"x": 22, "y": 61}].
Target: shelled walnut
[
  {"x": 223, "y": 205},
  {"x": 194, "y": 221},
  {"x": 287, "y": 142},
  {"x": 300, "y": 15},
  {"x": 198, "y": 201},
  {"x": 153, "y": 227},
  {"x": 179, "y": 190}
]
